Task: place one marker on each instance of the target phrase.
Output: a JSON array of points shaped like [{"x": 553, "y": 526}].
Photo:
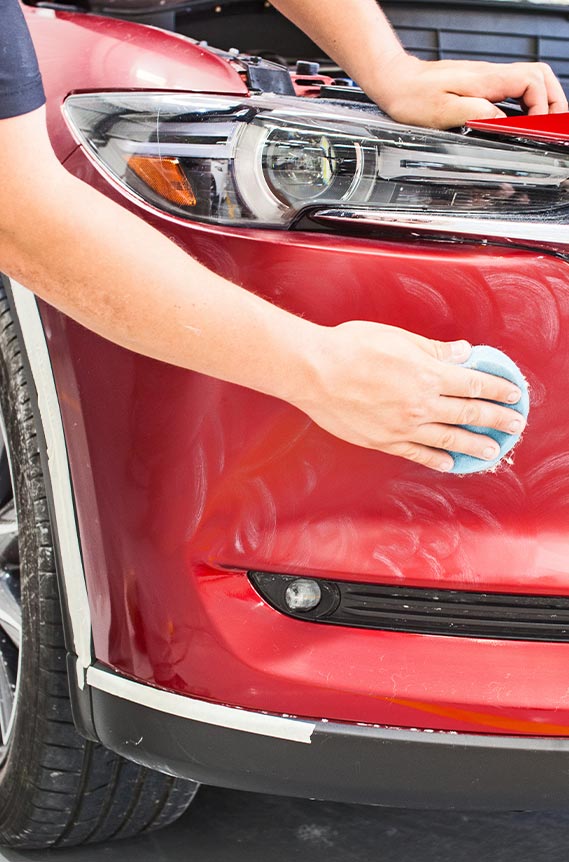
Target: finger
[
  {"x": 467, "y": 108},
  {"x": 491, "y": 82},
  {"x": 542, "y": 88},
  {"x": 435, "y": 459},
  {"x": 534, "y": 99},
  {"x": 497, "y": 81},
  {"x": 454, "y": 439},
  {"x": 555, "y": 94},
  {"x": 481, "y": 414},
  {"x": 465, "y": 383}
]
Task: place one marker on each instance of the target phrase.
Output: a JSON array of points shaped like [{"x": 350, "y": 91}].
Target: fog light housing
[
  {"x": 306, "y": 599},
  {"x": 303, "y": 594}
]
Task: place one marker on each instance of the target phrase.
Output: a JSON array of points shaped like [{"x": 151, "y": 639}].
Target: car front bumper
[{"x": 328, "y": 760}]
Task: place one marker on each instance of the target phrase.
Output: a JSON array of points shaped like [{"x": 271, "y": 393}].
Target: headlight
[{"x": 262, "y": 161}]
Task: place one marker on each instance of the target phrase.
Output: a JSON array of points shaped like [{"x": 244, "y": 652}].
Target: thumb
[{"x": 463, "y": 108}]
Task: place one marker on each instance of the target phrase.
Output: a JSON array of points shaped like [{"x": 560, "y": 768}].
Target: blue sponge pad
[{"x": 493, "y": 361}]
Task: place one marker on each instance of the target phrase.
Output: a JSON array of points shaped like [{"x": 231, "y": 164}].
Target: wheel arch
[{"x": 74, "y": 601}]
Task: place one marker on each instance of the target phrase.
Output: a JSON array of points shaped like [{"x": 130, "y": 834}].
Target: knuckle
[
  {"x": 475, "y": 385},
  {"x": 535, "y": 74},
  {"x": 414, "y": 414},
  {"x": 469, "y": 415},
  {"x": 438, "y": 349},
  {"x": 412, "y": 453},
  {"x": 496, "y": 419},
  {"x": 433, "y": 461},
  {"x": 428, "y": 380},
  {"x": 447, "y": 440},
  {"x": 440, "y": 115}
]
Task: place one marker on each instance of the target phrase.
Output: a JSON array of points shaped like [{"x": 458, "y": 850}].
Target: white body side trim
[
  {"x": 295, "y": 730},
  {"x": 65, "y": 523}
]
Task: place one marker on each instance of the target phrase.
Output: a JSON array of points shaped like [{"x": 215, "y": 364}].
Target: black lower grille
[{"x": 425, "y": 611}]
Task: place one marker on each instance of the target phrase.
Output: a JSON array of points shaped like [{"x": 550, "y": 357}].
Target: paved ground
[{"x": 226, "y": 826}]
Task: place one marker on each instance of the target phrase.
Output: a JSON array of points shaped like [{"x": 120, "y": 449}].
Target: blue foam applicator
[{"x": 493, "y": 361}]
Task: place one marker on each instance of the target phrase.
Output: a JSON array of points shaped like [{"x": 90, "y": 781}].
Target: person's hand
[
  {"x": 384, "y": 388},
  {"x": 447, "y": 93}
]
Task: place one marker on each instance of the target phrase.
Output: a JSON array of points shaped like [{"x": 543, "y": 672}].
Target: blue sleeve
[{"x": 21, "y": 88}]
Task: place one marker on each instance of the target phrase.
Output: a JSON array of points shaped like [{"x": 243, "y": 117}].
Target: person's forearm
[
  {"x": 370, "y": 384},
  {"x": 440, "y": 94},
  {"x": 147, "y": 294},
  {"x": 356, "y": 34}
]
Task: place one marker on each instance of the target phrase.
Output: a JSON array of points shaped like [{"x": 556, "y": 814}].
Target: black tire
[{"x": 56, "y": 788}]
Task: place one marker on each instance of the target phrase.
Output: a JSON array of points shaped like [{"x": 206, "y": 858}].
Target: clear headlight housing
[{"x": 263, "y": 161}]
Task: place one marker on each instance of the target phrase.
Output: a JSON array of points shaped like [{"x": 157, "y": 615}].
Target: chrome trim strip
[
  {"x": 59, "y": 475},
  {"x": 188, "y": 151},
  {"x": 292, "y": 729},
  {"x": 535, "y": 232}
]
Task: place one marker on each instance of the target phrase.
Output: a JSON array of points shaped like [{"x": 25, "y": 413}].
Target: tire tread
[{"x": 76, "y": 791}]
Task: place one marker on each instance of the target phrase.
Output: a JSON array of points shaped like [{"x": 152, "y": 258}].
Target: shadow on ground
[{"x": 228, "y": 826}]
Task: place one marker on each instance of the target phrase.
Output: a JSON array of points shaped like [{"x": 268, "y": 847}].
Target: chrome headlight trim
[{"x": 543, "y": 233}]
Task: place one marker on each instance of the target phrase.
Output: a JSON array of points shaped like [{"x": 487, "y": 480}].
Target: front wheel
[{"x": 56, "y": 788}]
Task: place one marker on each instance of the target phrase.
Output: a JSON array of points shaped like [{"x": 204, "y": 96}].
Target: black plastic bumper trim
[{"x": 346, "y": 763}]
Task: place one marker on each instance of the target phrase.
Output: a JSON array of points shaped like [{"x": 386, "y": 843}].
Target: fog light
[{"x": 302, "y": 595}]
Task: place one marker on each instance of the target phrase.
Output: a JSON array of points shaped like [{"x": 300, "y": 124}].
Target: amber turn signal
[{"x": 165, "y": 177}]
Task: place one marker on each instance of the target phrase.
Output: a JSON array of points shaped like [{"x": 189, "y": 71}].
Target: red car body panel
[
  {"x": 183, "y": 483},
  {"x": 551, "y": 127},
  {"x": 100, "y": 50}
]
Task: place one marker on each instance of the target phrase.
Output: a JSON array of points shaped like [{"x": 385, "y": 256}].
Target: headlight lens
[{"x": 262, "y": 161}]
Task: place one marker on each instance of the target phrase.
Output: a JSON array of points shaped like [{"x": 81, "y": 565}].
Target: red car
[{"x": 245, "y": 600}]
